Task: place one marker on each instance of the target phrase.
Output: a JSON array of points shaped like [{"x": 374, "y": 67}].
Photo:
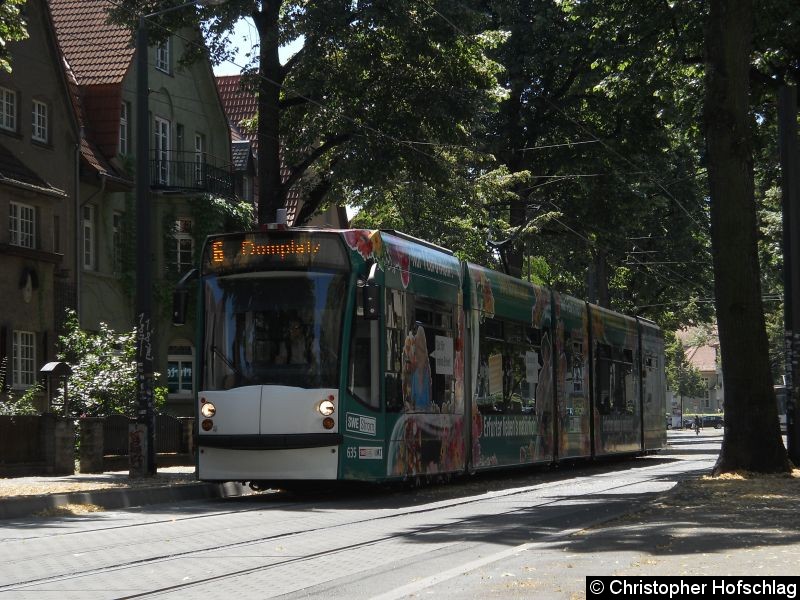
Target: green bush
[
  {"x": 103, "y": 379},
  {"x": 12, "y": 403}
]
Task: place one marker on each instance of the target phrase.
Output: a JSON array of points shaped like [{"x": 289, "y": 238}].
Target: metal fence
[
  {"x": 36, "y": 444},
  {"x": 190, "y": 176},
  {"x": 21, "y": 437},
  {"x": 170, "y": 437}
]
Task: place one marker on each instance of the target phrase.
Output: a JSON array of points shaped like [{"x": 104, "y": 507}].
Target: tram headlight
[
  {"x": 208, "y": 410},
  {"x": 326, "y": 408}
]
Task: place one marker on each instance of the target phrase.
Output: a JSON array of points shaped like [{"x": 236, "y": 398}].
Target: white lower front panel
[{"x": 220, "y": 464}]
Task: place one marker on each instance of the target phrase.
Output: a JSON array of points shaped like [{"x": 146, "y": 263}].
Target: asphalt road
[{"x": 486, "y": 536}]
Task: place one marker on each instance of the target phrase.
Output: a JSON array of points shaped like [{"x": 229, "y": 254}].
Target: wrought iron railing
[{"x": 182, "y": 172}]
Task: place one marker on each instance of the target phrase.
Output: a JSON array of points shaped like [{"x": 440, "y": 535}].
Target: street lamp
[{"x": 145, "y": 463}]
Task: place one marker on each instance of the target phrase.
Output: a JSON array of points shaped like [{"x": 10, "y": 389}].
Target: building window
[
  {"x": 184, "y": 245},
  {"x": 247, "y": 188},
  {"x": 88, "y": 238},
  {"x": 162, "y": 148},
  {"x": 162, "y": 56},
  {"x": 179, "y": 370},
  {"x": 22, "y": 225},
  {"x": 124, "y": 130},
  {"x": 117, "y": 241},
  {"x": 39, "y": 121},
  {"x": 24, "y": 359},
  {"x": 199, "y": 157},
  {"x": 8, "y": 109}
]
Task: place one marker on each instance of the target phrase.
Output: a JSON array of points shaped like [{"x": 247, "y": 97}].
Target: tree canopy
[
  {"x": 561, "y": 140},
  {"x": 12, "y": 29},
  {"x": 683, "y": 378},
  {"x": 381, "y": 93}
]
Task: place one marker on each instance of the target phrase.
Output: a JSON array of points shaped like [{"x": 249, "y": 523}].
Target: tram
[
  {"x": 362, "y": 355},
  {"x": 782, "y": 398}
]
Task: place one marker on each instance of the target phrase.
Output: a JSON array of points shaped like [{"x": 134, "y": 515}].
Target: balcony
[{"x": 184, "y": 172}]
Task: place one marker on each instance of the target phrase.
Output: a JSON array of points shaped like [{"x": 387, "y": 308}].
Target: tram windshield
[{"x": 275, "y": 327}]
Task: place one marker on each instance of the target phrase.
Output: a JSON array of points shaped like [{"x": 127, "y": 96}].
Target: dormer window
[{"x": 162, "y": 56}]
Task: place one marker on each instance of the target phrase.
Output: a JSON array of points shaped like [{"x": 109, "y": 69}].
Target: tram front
[{"x": 273, "y": 311}]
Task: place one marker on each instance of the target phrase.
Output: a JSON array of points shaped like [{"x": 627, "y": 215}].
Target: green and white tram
[{"x": 372, "y": 356}]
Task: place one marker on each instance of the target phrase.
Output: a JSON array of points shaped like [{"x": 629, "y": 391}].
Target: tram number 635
[{"x": 352, "y": 452}]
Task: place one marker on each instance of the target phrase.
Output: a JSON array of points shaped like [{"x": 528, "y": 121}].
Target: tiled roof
[
  {"x": 703, "y": 358},
  {"x": 12, "y": 170},
  {"x": 90, "y": 154},
  {"x": 240, "y": 152},
  {"x": 238, "y": 104},
  {"x": 293, "y": 203},
  {"x": 98, "y": 53}
]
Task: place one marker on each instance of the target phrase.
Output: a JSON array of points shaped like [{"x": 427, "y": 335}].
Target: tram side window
[
  {"x": 358, "y": 370},
  {"x": 577, "y": 366},
  {"x": 509, "y": 369},
  {"x": 397, "y": 318},
  {"x": 648, "y": 383},
  {"x": 432, "y": 385},
  {"x": 614, "y": 380},
  {"x": 418, "y": 373}
]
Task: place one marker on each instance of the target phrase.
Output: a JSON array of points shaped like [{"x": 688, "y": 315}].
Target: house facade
[
  {"x": 189, "y": 159},
  {"x": 39, "y": 156},
  {"x": 67, "y": 192},
  {"x": 701, "y": 349}
]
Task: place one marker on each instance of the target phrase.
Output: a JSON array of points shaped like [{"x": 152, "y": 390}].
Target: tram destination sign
[{"x": 254, "y": 251}]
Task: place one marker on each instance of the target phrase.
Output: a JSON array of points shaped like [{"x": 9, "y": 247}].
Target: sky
[{"x": 244, "y": 36}]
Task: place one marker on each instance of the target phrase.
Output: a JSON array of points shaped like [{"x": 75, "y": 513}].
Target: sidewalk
[
  {"x": 90, "y": 492},
  {"x": 732, "y": 526}
]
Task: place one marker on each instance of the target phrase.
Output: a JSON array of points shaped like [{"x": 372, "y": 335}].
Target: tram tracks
[{"x": 336, "y": 530}]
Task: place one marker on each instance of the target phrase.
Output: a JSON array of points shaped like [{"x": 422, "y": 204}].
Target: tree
[
  {"x": 752, "y": 435},
  {"x": 103, "y": 379},
  {"x": 377, "y": 95},
  {"x": 683, "y": 378},
  {"x": 603, "y": 140},
  {"x": 12, "y": 29}
]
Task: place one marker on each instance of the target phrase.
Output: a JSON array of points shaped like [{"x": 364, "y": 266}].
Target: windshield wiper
[{"x": 230, "y": 365}]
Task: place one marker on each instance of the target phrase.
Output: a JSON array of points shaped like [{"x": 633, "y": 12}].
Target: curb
[{"x": 26, "y": 506}]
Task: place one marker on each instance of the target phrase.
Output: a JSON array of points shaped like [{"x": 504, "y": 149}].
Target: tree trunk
[
  {"x": 271, "y": 195},
  {"x": 597, "y": 280},
  {"x": 752, "y": 437}
]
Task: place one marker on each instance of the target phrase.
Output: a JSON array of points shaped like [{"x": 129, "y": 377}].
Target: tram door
[{"x": 424, "y": 404}]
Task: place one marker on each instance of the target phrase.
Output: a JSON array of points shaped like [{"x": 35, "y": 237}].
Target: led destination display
[{"x": 249, "y": 251}]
